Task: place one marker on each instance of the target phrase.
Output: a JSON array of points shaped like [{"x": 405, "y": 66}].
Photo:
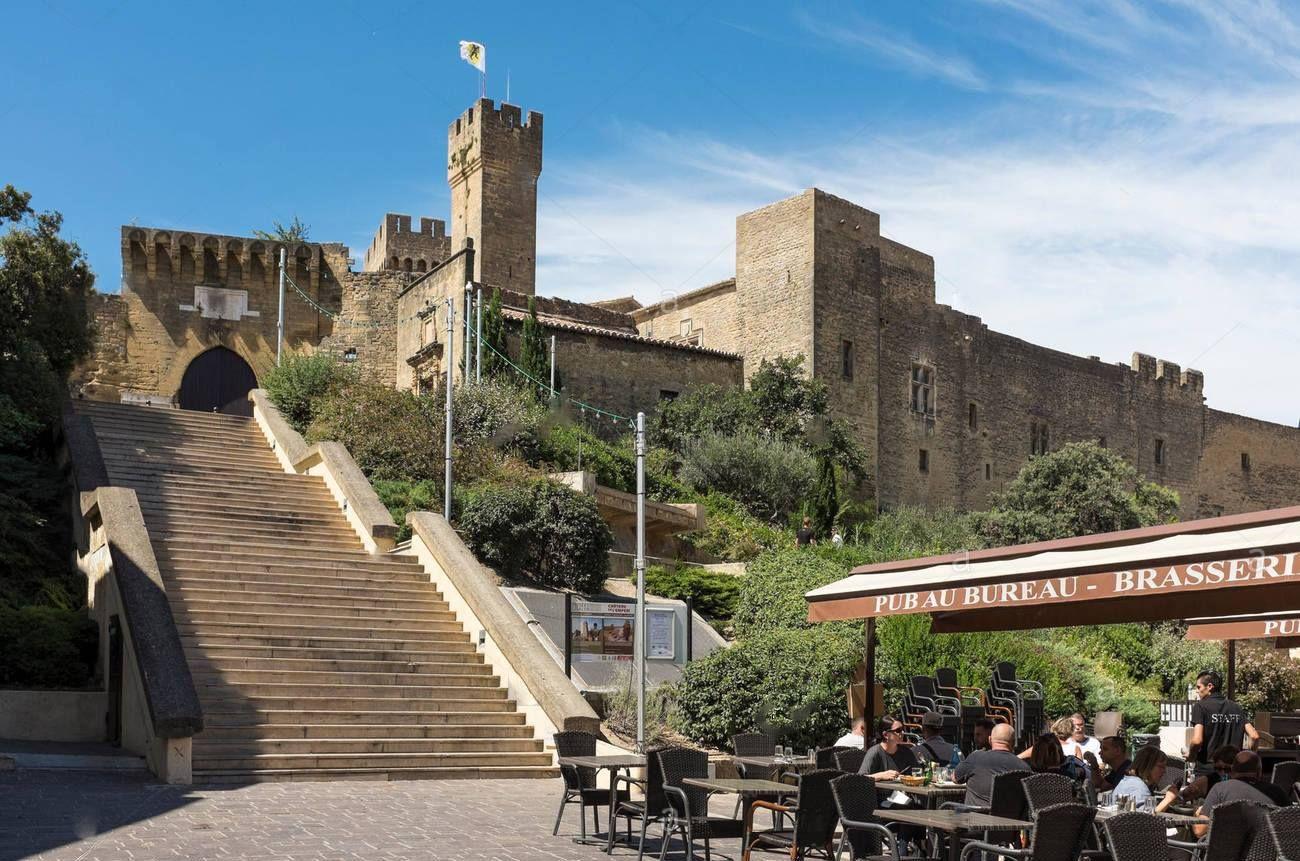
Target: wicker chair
[
  {"x": 1007, "y": 799},
  {"x": 1064, "y": 840},
  {"x": 753, "y": 744},
  {"x": 855, "y": 802},
  {"x": 815, "y": 817},
  {"x": 849, "y": 760},
  {"x": 1136, "y": 837},
  {"x": 687, "y": 811},
  {"x": 1234, "y": 827},
  {"x": 1044, "y": 790},
  {"x": 580, "y": 783},
  {"x": 649, "y": 808},
  {"x": 1286, "y": 774},
  {"x": 1284, "y": 828}
]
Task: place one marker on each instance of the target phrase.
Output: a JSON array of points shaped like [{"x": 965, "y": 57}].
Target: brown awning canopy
[
  {"x": 1259, "y": 626},
  {"x": 1242, "y": 564}
]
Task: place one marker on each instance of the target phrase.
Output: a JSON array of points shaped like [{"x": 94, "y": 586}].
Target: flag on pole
[{"x": 474, "y": 54}]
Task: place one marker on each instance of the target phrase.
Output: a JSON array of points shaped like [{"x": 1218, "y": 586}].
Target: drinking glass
[
  {"x": 812, "y": 754},
  {"x": 789, "y": 752}
]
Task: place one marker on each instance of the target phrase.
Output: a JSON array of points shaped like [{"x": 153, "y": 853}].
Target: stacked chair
[
  {"x": 972, "y": 706},
  {"x": 1022, "y": 698},
  {"x": 923, "y": 696}
]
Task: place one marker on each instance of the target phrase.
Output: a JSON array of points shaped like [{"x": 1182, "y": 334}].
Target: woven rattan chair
[
  {"x": 849, "y": 760},
  {"x": 1044, "y": 790},
  {"x": 687, "y": 812},
  {"x": 580, "y": 783},
  {"x": 1286, "y": 774},
  {"x": 814, "y": 814},
  {"x": 855, "y": 802},
  {"x": 1284, "y": 828},
  {"x": 1234, "y": 827},
  {"x": 1136, "y": 837},
  {"x": 1061, "y": 840},
  {"x": 649, "y": 808},
  {"x": 753, "y": 744}
]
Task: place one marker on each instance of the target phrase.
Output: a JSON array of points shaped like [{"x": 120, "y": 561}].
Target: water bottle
[{"x": 955, "y": 759}]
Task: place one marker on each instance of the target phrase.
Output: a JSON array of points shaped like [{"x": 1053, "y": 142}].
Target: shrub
[
  {"x": 713, "y": 593},
  {"x": 403, "y": 497},
  {"x": 300, "y": 382},
  {"x": 771, "y": 593},
  {"x": 493, "y": 413},
  {"x": 1267, "y": 679},
  {"x": 789, "y": 682},
  {"x": 731, "y": 533},
  {"x": 46, "y": 647},
  {"x": 569, "y": 447},
  {"x": 619, "y": 709},
  {"x": 769, "y": 477},
  {"x": 392, "y": 434},
  {"x": 542, "y": 531}
]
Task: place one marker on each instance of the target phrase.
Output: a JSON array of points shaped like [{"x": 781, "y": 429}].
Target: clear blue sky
[{"x": 1100, "y": 176}]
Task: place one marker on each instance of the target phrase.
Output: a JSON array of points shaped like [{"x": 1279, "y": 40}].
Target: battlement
[
  {"x": 396, "y": 247},
  {"x": 1149, "y": 368},
  {"x": 186, "y": 257},
  {"x": 485, "y": 114}
]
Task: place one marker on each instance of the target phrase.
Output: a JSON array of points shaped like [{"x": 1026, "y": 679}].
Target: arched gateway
[{"x": 218, "y": 381}]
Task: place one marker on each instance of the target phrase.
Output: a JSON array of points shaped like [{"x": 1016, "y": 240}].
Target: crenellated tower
[{"x": 494, "y": 158}]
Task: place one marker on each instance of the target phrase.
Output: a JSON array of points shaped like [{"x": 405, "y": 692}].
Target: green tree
[
  {"x": 826, "y": 499},
  {"x": 494, "y": 337},
  {"x": 535, "y": 352},
  {"x": 294, "y": 231},
  {"x": 1081, "y": 489}
]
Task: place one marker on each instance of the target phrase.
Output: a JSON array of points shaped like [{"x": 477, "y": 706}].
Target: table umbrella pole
[{"x": 869, "y": 683}]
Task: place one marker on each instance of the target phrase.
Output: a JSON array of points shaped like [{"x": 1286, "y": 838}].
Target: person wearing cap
[
  {"x": 933, "y": 747},
  {"x": 1246, "y": 783}
]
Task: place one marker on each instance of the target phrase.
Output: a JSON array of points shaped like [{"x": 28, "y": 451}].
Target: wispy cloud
[{"x": 896, "y": 49}]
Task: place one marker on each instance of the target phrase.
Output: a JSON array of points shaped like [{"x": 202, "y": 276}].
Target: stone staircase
[{"x": 313, "y": 659}]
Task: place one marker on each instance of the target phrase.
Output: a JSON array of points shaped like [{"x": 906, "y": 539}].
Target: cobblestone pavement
[{"x": 92, "y": 816}]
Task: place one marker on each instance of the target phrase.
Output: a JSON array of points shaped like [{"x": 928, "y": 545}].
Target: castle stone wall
[
  {"x": 422, "y": 321},
  {"x": 1267, "y": 477},
  {"x": 365, "y": 333},
  {"x": 708, "y": 317},
  {"x": 774, "y": 280},
  {"x": 397, "y": 247}
]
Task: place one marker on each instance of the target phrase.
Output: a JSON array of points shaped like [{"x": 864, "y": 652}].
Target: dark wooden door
[{"x": 218, "y": 381}]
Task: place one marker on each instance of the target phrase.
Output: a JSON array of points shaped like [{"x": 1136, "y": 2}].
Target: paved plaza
[{"x": 106, "y": 817}]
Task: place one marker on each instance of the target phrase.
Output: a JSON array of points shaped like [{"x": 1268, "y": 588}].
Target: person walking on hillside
[
  {"x": 1217, "y": 722},
  {"x": 805, "y": 535}
]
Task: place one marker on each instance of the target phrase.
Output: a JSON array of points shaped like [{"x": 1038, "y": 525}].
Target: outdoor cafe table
[
  {"x": 1173, "y": 820},
  {"x": 954, "y": 823},
  {"x": 748, "y": 789},
  {"x": 615, "y": 763},
  {"x": 798, "y": 763},
  {"x": 933, "y": 795}
]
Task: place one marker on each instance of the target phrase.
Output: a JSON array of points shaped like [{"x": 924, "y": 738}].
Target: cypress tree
[
  {"x": 826, "y": 498},
  {"x": 535, "y": 353},
  {"x": 494, "y": 337}
]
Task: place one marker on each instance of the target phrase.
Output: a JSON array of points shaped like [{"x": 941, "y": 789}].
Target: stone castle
[{"x": 947, "y": 409}]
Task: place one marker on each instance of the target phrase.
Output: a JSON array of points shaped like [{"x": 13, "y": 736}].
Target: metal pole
[
  {"x": 639, "y": 648},
  {"x": 469, "y": 297},
  {"x": 568, "y": 634},
  {"x": 552, "y": 367},
  {"x": 690, "y": 628},
  {"x": 450, "y": 354},
  {"x": 279, "y": 326},
  {"x": 478, "y": 334},
  {"x": 869, "y": 686},
  {"x": 1232, "y": 669}
]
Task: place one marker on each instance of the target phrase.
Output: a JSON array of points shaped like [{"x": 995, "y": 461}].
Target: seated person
[
  {"x": 1079, "y": 742},
  {"x": 888, "y": 757},
  {"x": 983, "y": 730},
  {"x": 1243, "y": 784},
  {"x": 1221, "y": 760},
  {"x": 1143, "y": 780},
  {"x": 978, "y": 770},
  {"x": 1045, "y": 758},
  {"x": 933, "y": 747},
  {"x": 1114, "y": 753},
  {"x": 855, "y": 737}
]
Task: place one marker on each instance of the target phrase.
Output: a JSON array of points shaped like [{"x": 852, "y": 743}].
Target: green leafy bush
[
  {"x": 731, "y": 533},
  {"x": 771, "y": 594},
  {"x": 769, "y": 477},
  {"x": 542, "y": 531},
  {"x": 1267, "y": 679},
  {"x": 403, "y": 497},
  {"x": 302, "y": 381},
  {"x": 493, "y": 413},
  {"x": 619, "y": 708},
  {"x": 790, "y": 682},
  {"x": 567, "y": 447},
  {"x": 46, "y": 647},
  {"x": 713, "y": 593},
  {"x": 392, "y": 434}
]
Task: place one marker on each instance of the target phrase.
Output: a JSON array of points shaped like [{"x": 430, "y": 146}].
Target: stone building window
[
  {"x": 1101, "y": 440},
  {"x": 1245, "y": 461},
  {"x": 973, "y": 417},
  {"x": 1039, "y": 441},
  {"x": 923, "y": 461},
  {"x": 350, "y": 354},
  {"x": 1160, "y": 452},
  {"x": 923, "y": 389},
  {"x": 668, "y": 395},
  {"x": 684, "y": 328},
  {"x": 988, "y": 472},
  {"x": 846, "y": 359}
]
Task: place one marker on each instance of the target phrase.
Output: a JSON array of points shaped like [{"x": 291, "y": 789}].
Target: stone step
[
  {"x": 218, "y": 691},
  {"x": 136, "y": 450},
  {"x": 187, "y": 605},
  {"x": 302, "y": 578},
  {"x": 397, "y": 705},
  {"x": 211, "y": 557},
  {"x": 181, "y": 480},
  {"x": 192, "y": 596},
  {"x": 221, "y": 716},
  {"x": 287, "y": 520},
  {"x": 136, "y": 416},
  {"x": 336, "y": 617},
  {"x": 162, "y": 501},
  {"x": 333, "y": 537},
  {"x": 371, "y": 761},
  {"x": 217, "y": 547},
  {"x": 237, "y": 776},
  {"x": 434, "y": 632},
  {"x": 300, "y": 732},
  {"x": 333, "y": 649},
  {"x": 261, "y": 676},
  {"x": 339, "y": 668},
  {"x": 207, "y": 749}
]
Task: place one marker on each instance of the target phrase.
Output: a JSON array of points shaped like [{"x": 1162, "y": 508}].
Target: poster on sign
[
  {"x": 659, "y": 643},
  {"x": 602, "y": 631}
]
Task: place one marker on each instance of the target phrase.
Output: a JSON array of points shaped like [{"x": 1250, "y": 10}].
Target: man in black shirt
[
  {"x": 1217, "y": 722},
  {"x": 935, "y": 748},
  {"x": 1115, "y": 754},
  {"x": 805, "y": 535}
]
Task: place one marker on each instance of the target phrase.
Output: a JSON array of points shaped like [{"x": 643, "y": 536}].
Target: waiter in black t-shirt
[{"x": 1217, "y": 721}]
